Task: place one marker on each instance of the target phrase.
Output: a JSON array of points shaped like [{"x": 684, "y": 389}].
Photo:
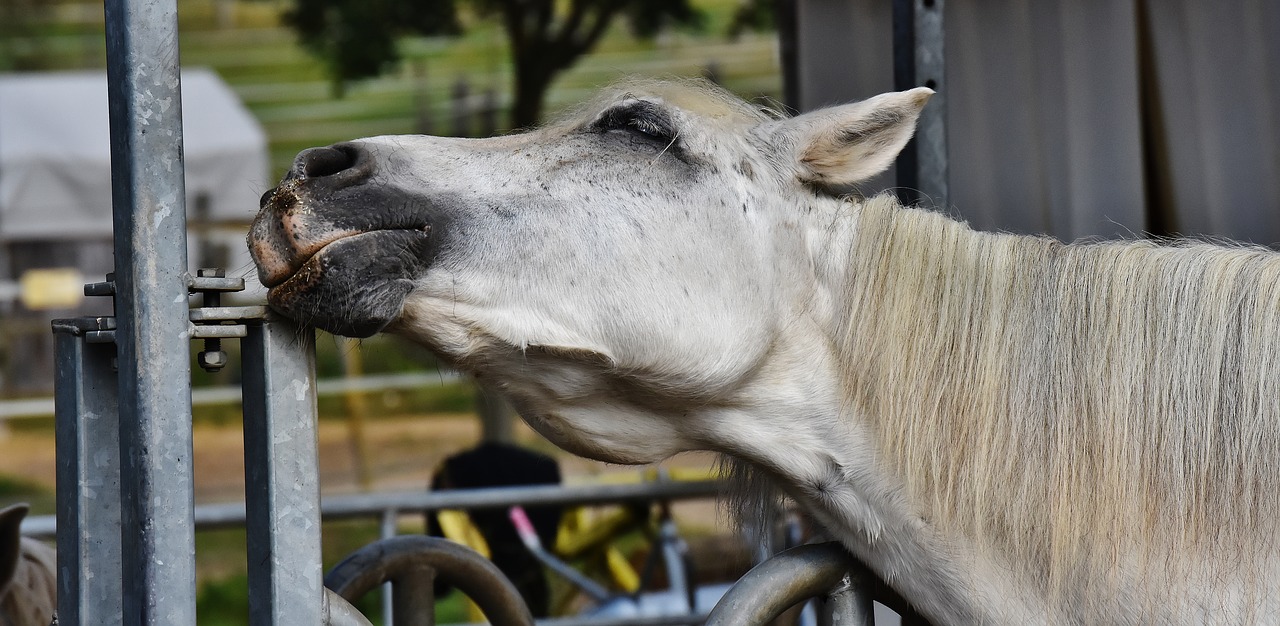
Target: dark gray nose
[{"x": 342, "y": 164}]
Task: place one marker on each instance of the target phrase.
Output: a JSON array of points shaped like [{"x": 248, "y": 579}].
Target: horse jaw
[{"x": 566, "y": 387}]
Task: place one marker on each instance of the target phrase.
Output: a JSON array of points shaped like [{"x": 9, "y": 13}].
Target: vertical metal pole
[
  {"x": 387, "y": 530},
  {"x": 414, "y": 596},
  {"x": 919, "y": 60},
  {"x": 497, "y": 417},
  {"x": 282, "y": 484},
  {"x": 88, "y": 480},
  {"x": 148, "y": 196}
]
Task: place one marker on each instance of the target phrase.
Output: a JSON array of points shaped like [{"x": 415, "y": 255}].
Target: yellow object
[
  {"x": 626, "y": 577},
  {"x": 582, "y": 536},
  {"x": 457, "y": 527},
  {"x": 55, "y": 288}
]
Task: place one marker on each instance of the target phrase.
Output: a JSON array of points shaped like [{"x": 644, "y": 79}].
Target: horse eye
[{"x": 642, "y": 118}]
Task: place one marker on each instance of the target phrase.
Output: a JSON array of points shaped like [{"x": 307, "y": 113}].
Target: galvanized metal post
[
  {"x": 282, "y": 475},
  {"x": 88, "y": 476},
  {"x": 148, "y": 199},
  {"x": 919, "y": 61}
]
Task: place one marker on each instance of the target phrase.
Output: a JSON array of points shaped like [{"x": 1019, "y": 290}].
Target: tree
[{"x": 357, "y": 38}]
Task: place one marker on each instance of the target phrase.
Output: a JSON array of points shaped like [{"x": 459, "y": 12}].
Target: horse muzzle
[{"x": 334, "y": 250}]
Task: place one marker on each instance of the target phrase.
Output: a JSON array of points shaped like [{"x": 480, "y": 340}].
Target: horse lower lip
[{"x": 355, "y": 285}]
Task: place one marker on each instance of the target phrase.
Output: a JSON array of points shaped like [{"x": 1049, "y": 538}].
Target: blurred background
[
  {"x": 1076, "y": 118},
  {"x": 262, "y": 80}
]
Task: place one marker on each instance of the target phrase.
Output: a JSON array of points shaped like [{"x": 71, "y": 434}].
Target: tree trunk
[{"x": 533, "y": 76}]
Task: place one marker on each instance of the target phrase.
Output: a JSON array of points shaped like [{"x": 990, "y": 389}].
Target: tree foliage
[
  {"x": 754, "y": 15},
  {"x": 23, "y": 46},
  {"x": 357, "y": 38}
]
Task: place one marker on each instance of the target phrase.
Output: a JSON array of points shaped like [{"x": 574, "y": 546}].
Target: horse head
[{"x": 648, "y": 257}]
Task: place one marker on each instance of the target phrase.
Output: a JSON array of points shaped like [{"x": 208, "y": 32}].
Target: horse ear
[{"x": 853, "y": 142}]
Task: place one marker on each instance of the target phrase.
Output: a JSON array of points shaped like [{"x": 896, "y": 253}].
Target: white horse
[
  {"x": 1007, "y": 429},
  {"x": 28, "y": 583}
]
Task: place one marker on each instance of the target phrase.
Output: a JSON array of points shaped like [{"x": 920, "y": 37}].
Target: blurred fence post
[{"x": 497, "y": 418}]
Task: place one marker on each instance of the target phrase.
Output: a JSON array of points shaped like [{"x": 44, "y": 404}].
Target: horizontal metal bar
[
  {"x": 227, "y": 313},
  {"x": 100, "y": 289},
  {"x": 229, "y": 331},
  {"x": 231, "y": 394},
  {"x": 371, "y": 505},
  {"x": 80, "y": 325},
  {"x": 215, "y": 283},
  {"x": 364, "y": 505},
  {"x": 100, "y": 336}
]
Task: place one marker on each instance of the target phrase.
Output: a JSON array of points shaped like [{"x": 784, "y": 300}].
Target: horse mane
[{"x": 1074, "y": 406}]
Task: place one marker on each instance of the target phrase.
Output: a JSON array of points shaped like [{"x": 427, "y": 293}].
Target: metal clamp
[
  {"x": 211, "y": 283},
  {"x": 411, "y": 563},
  {"x": 211, "y": 322}
]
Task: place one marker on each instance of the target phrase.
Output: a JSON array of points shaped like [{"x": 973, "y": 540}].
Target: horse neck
[{"x": 1093, "y": 409}]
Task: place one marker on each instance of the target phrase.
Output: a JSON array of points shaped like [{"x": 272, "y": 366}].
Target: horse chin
[
  {"x": 354, "y": 286},
  {"x": 554, "y": 429}
]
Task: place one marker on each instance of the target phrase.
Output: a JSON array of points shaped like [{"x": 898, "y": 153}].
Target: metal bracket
[{"x": 210, "y": 322}]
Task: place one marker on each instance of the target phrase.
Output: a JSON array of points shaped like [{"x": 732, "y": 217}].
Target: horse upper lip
[{"x": 298, "y": 261}]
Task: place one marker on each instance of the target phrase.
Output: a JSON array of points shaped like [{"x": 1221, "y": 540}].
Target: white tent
[{"x": 55, "y": 154}]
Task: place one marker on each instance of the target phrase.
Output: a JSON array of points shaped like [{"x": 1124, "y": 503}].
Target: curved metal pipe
[
  {"x": 792, "y": 576},
  {"x": 414, "y": 561}
]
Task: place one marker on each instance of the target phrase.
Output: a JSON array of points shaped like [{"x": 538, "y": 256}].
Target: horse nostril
[{"x": 321, "y": 162}]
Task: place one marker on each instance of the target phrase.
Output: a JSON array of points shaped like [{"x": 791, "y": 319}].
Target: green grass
[{"x": 14, "y": 490}]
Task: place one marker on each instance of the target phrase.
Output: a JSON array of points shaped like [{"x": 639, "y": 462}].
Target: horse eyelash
[{"x": 638, "y": 116}]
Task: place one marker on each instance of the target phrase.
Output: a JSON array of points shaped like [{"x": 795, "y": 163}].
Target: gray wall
[{"x": 1086, "y": 117}]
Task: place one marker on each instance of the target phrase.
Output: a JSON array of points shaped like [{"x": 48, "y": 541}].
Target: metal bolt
[{"x": 212, "y": 360}]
